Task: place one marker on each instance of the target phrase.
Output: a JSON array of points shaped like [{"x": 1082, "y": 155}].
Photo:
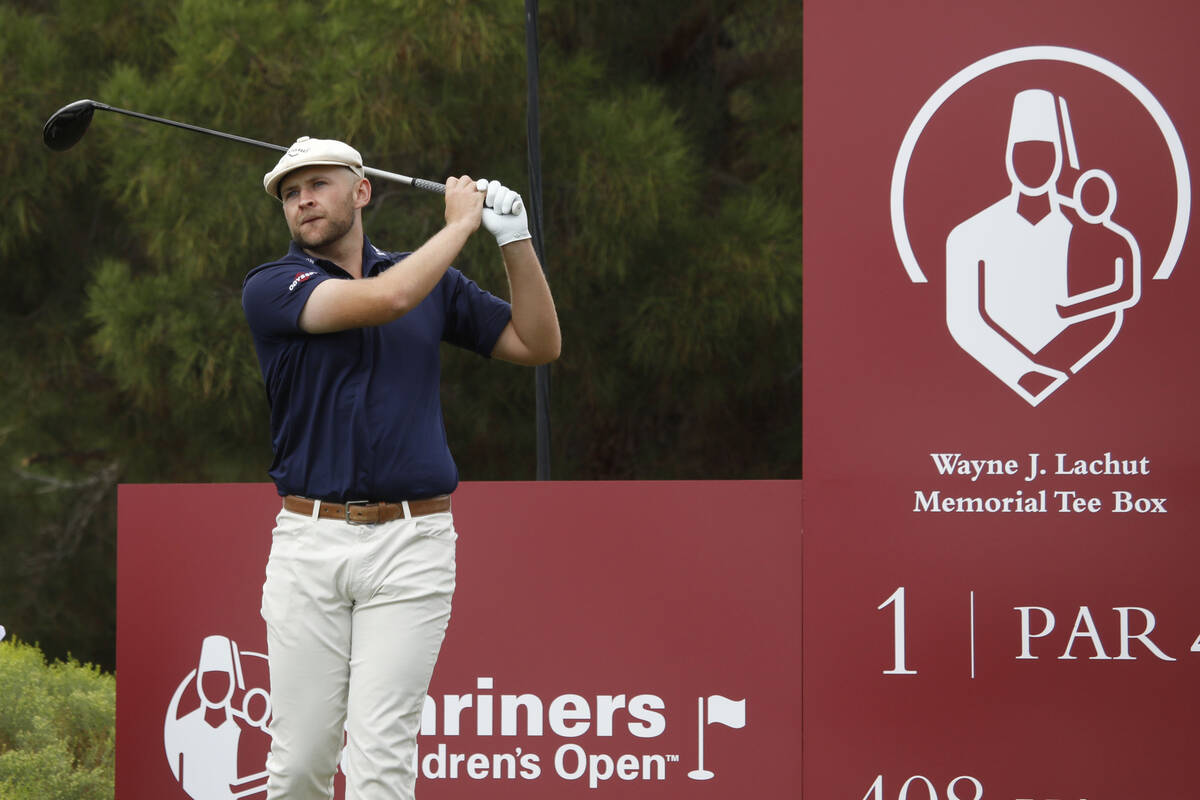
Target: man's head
[
  {"x": 321, "y": 185},
  {"x": 1034, "y": 155},
  {"x": 215, "y": 673},
  {"x": 307, "y": 152}
]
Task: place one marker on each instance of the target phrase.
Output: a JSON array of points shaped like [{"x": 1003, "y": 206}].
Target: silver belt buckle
[{"x": 346, "y": 510}]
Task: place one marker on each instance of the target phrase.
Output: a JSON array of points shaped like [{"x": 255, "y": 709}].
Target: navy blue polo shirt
[{"x": 357, "y": 414}]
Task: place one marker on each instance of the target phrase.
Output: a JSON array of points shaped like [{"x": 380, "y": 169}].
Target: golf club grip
[
  {"x": 418, "y": 183},
  {"x": 429, "y": 186}
]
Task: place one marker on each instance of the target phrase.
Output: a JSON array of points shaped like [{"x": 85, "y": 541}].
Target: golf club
[{"x": 67, "y": 126}]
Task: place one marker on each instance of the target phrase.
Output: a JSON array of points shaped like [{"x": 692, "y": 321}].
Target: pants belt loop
[
  {"x": 316, "y": 512},
  {"x": 407, "y": 512}
]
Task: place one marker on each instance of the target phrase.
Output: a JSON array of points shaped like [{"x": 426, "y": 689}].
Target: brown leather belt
[{"x": 361, "y": 512}]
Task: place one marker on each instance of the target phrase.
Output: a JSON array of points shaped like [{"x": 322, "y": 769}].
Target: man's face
[
  {"x": 319, "y": 204},
  {"x": 1034, "y": 166}
]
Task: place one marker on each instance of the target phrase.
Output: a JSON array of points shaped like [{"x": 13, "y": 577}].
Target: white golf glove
[{"x": 503, "y": 212}]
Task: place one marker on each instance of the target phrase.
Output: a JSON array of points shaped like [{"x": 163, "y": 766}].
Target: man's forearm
[
  {"x": 340, "y": 305},
  {"x": 411, "y": 281},
  {"x": 534, "y": 317}
]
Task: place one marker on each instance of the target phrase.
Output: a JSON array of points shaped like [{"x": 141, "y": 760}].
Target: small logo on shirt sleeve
[{"x": 300, "y": 278}]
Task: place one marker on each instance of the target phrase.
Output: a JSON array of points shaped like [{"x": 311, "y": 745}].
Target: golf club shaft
[{"x": 417, "y": 183}]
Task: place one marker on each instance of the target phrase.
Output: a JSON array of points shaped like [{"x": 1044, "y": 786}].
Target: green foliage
[
  {"x": 56, "y": 728},
  {"x": 672, "y": 206}
]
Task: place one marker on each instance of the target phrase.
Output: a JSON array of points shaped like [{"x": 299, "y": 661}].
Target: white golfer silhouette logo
[
  {"x": 1037, "y": 284},
  {"x": 203, "y": 745}
]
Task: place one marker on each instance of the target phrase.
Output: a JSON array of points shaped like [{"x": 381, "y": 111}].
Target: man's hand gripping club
[{"x": 503, "y": 212}]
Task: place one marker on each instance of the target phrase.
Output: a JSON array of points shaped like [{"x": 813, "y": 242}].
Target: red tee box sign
[
  {"x": 632, "y": 640},
  {"x": 1001, "y": 456}
]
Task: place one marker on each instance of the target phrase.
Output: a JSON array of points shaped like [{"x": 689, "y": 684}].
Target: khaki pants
[{"x": 355, "y": 618}]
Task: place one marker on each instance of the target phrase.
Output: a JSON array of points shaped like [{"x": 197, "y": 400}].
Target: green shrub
[{"x": 56, "y": 727}]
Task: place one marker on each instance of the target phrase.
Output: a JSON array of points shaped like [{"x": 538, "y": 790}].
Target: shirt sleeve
[
  {"x": 274, "y": 296},
  {"x": 474, "y": 318}
]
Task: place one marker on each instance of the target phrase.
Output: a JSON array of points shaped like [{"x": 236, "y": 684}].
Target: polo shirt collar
[{"x": 373, "y": 259}]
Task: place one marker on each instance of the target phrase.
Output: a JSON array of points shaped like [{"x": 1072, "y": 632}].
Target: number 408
[{"x": 876, "y": 790}]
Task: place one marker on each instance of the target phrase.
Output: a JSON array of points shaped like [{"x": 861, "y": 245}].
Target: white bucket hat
[{"x": 308, "y": 152}]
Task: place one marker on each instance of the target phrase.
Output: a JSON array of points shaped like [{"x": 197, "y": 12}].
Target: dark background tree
[{"x": 671, "y": 161}]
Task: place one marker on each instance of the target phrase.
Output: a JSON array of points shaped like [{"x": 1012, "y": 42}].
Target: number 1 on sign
[{"x": 896, "y": 601}]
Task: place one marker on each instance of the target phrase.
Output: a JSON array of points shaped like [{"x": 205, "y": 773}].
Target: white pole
[{"x": 700, "y": 773}]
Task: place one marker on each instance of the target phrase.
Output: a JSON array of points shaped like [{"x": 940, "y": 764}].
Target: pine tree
[{"x": 671, "y": 162}]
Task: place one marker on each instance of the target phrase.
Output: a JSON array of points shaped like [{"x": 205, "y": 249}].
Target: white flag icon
[
  {"x": 722, "y": 710},
  {"x": 727, "y": 712}
]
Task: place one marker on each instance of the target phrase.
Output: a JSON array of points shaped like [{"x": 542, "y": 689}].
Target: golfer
[{"x": 361, "y": 570}]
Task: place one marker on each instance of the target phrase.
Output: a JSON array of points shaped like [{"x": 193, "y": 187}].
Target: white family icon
[
  {"x": 1038, "y": 283},
  {"x": 207, "y": 746},
  {"x": 1010, "y": 269}
]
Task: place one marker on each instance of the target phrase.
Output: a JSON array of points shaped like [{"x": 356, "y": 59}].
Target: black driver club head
[{"x": 68, "y": 125}]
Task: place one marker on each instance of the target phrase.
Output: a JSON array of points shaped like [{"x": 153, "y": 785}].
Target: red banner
[
  {"x": 632, "y": 640},
  {"x": 1000, "y": 461}
]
